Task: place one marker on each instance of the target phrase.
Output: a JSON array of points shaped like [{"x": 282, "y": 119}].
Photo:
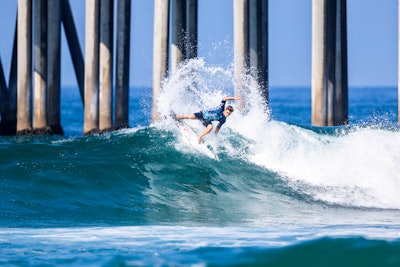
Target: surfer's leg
[
  {"x": 206, "y": 131},
  {"x": 188, "y": 117}
]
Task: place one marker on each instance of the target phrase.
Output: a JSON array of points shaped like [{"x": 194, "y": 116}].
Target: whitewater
[
  {"x": 337, "y": 166},
  {"x": 279, "y": 193}
]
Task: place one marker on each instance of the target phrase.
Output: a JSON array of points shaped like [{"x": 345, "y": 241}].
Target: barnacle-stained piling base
[
  {"x": 42, "y": 131},
  {"x": 92, "y": 132},
  {"x": 28, "y": 131}
]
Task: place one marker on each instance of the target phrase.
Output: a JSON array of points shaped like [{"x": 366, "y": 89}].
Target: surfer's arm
[{"x": 231, "y": 98}]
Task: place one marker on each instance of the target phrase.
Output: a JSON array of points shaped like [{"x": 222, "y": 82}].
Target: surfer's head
[{"x": 228, "y": 111}]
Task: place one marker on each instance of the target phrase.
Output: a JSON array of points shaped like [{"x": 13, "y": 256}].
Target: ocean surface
[{"x": 281, "y": 193}]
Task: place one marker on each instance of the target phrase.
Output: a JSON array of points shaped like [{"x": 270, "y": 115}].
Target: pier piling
[
  {"x": 251, "y": 46},
  {"x": 184, "y": 31},
  {"x": 258, "y": 45},
  {"x": 74, "y": 46},
  {"x": 178, "y": 32},
  {"x": 24, "y": 77},
  {"x": 54, "y": 66},
  {"x": 40, "y": 68},
  {"x": 8, "y": 122},
  {"x": 329, "y": 63},
  {"x": 241, "y": 46},
  {"x": 122, "y": 65},
  {"x": 91, "y": 104},
  {"x": 8, "y": 97},
  {"x": 191, "y": 28},
  {"x": 3, "y": 89},
  {"x": 160, "y": 50},
  {"x": 106, "y": 64}
]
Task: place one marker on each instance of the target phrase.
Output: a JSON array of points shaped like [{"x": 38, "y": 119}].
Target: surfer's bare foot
[{"x": 199, "y": 140}]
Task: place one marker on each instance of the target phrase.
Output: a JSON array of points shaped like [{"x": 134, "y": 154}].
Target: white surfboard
[{"x": 191, "y": 137}]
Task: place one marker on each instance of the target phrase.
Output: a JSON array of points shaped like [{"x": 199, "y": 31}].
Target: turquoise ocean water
[{"x": 282, "y": 193}]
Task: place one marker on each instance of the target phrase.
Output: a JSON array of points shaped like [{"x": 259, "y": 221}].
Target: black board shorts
[{"x": 199, "y": 116}]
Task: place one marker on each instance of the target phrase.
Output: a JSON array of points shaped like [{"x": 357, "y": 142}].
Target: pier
[{"x": 30, "y": 97}]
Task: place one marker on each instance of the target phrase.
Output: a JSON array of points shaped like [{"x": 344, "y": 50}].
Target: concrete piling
[
  {"x": 74, "y": 46},
  {"x": 106, "y": 65},
  {"x": 258, "y": 44},
  {"x": 184, "y": 31},
  {"x": 160, "y": 50},
  {"x": 329, "y": 63},
  {"x": 178, "y": 32},
  {"x": 251, "y": 47},
  {"x": 54, "y": 66},
  {"x": 122, "y": 64},
  {"x": 191, "y": 28},
  {"x": 91, "y": 105},
  {"x": 255, "y": 59},
  {"x": 241, "y": 46},
  {"x": 24, "y": 76},
  {"x": 40, "y": 68},
  {"x": 3, "y": 90},
  {"x": 341, "y": 71},
  {"x": 8, "y": 94}
]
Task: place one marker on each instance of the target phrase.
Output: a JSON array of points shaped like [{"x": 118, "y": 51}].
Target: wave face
[
  {"x": 268, "y": 172},
  {"x": 150, "y": 176}
]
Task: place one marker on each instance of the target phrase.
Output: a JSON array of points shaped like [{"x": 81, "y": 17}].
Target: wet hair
[{"x": 230, "y": 108}]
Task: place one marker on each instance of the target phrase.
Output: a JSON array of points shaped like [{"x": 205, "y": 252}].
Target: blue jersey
[{"x": 215, "y": 114}]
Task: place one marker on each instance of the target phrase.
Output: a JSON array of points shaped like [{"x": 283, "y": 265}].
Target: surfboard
[{"x": 191, "y": 138}]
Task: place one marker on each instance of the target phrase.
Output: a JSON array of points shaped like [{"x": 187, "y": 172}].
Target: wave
[
  {"x": 216, "y": 246},
  {"x": 148, "y": 175},
  {"x": 268, "y": 173},
  {"x": 133, "y": 176}
]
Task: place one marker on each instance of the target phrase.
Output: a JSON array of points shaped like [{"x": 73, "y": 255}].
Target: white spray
[{"x": 360, "y": 168}]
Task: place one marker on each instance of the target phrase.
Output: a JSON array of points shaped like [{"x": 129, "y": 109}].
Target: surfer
[{"x": 206, "y": 117}]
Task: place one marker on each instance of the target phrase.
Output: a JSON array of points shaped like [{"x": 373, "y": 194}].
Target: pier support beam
[
  {"x": 54, "y": 66},
  {"x": 74, "y": 47},
  {"x": 250, "y": 47},
  {"x": 241, "y": 45},
  {"x": 184, "y": 25},
  {"x": 40, "y": 68},
  {"x": 3, "y": 91},
  {"x": 8, "y": 96},
  {"x": 12, "y": 83},
  {"x": 91, "y": 105},
  {"x": 106, "y": 64},
  {"x": 122, "y": 65},
  {"x": 191, "y": 28},
  {"x": 329, "y": 63},
  {"x": 258, "y": 44},
  {"x": 160, "y": 50},
  {"x": 24, "y": 76},
  {"x": 178, "y": 31}
]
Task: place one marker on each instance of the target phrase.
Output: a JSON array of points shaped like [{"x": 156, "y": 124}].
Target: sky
[{"x": 372, "y": 40}]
